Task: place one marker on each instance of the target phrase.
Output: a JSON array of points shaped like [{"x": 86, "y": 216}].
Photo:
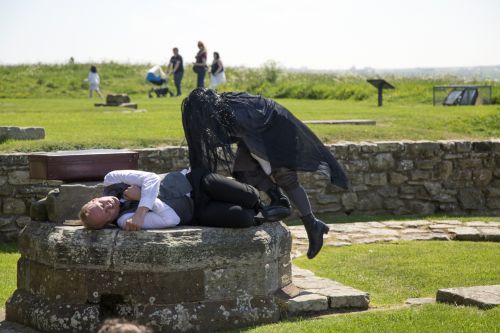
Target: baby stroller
[{"x": 158, "y": 78}]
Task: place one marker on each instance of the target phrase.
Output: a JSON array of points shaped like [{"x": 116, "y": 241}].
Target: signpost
[{"x": 380, "y": 85}]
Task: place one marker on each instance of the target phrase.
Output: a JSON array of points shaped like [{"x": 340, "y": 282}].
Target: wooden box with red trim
[{"x": 74, "y": 165}]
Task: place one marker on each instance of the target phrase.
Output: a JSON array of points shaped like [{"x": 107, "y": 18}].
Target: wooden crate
[{"x": 73, "y": 165}]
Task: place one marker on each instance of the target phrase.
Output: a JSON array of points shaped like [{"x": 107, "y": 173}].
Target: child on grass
[{"x": 94, "y": 81}]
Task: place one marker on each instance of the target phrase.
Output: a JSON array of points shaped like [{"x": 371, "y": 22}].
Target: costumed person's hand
[
  {"x": 137, "y": 221},
  {"x": 132, "y": 193}
]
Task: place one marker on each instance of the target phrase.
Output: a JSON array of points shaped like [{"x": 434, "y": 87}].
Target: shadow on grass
[{"x": 8, "y": 248}]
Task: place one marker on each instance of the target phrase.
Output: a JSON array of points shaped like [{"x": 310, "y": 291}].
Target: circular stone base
[{"x": 184, "y": 279}]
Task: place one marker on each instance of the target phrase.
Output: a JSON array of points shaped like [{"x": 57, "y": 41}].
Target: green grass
[
  {"x": 393, "y": 272},
  {"x": 8, "y": 268},
  {"x": 66, "y": 80},
  {"x": 430, "y": 318},
  {"x": 329, "y": 218},
  {"x": 77, "y": 124}
]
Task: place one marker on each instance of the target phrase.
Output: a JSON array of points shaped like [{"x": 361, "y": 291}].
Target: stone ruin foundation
[{"x": 175, "y": 280}]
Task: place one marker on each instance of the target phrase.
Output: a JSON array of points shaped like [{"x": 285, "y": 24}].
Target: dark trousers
[
  {"x": 201, "y": 71},
  {"x": 177, "y": 81},
  {"x": 224, "y": 202}
]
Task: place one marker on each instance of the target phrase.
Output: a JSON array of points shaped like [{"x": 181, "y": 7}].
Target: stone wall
[{"x": 407, "y": 177}]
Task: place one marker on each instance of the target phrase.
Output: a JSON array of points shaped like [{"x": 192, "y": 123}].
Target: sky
[{"x": 312, "y": 34}]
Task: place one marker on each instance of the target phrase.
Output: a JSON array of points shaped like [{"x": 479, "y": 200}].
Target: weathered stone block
[
  {"x": 323, "y": 198},
  {"x": 397, "y": 178},
  {"x": 213, "y": 277},
  {"x": 445, "y": 170},
  {"x": 388, "y": 191},
  {"x": 484, "y": 297},
  {"x": 13, "y": 206},
  {"x": 382, "y": 162},
  {"x": 349, "y": 200},
  {"x": 471, "y": 198},
  {"x": 463, "y": 146},
  {"x": 65, "y": 203},
  {"x": 376, "y": 179},
  {"x": 465, "y": 233},
  {"x": 21, "y": 133},
  {"x": 19, "y": 177},
  {"x": 424, "y": 208},
  {"x": 22, "y": 221},
  {"x": 38, "y": 210},
  {"x": 433, "y": 188},
  {"x": 405, "y": 165},
  {"x": 371, "y": 201},
  {"x": 306, "y": 302},
  {"x": 482, "y": 177}
]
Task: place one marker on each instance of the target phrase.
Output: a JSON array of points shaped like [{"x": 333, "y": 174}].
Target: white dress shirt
[{"x": 160, "y": 215}]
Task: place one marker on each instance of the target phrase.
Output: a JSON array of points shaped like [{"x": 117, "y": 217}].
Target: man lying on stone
[{"x": 136, "y": 200}]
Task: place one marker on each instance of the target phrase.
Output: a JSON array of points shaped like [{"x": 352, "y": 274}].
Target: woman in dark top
[
  {"x": 217, "y": 72},
  {"x": 272, "y": 146},
  {"x": 200, "y": 66}
]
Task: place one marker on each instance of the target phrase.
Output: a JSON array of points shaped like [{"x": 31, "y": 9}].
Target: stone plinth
[
  {"x": 184, "y": 279},
  {"x": 21, "y": 133}
]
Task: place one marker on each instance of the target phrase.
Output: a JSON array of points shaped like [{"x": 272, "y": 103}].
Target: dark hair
[
  {"x": 93, "y": 69},
  {"x": 175, "y": 49},
  {"x": 208, "y": 126},
  {"x": 216, "y": 55}
]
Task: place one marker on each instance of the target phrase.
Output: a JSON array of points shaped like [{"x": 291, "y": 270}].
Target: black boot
[
  {"x": 278, "y": 198},
  {"x": 315, "y": 229}
]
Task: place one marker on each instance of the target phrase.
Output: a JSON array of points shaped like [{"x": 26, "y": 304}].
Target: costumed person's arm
[{"x": 149, "y": 184}]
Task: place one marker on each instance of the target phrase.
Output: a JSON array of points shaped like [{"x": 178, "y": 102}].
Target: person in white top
[
  {"x": 151, "y": 212},
  {"x": 94, "y": 81}
]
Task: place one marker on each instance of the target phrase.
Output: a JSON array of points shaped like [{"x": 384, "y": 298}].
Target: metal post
[
  {"x": 380, "y": 95},
  {"x": 433, "y": 96}
]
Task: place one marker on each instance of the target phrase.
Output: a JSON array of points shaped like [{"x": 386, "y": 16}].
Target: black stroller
[{"x": 158, "y": 78}]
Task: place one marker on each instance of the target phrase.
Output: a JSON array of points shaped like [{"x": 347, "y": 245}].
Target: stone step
[
  {"x": 484, "y": 297},
  {"x": 317, "y": 294}
]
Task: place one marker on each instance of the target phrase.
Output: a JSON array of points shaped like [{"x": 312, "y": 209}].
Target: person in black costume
[{"x": 272, "y": 146}]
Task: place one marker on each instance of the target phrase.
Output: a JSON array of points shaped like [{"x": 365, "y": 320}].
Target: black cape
[{"x": 274, "y": 134}]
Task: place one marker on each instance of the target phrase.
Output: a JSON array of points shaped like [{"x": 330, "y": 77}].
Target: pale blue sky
[{"x": 318, "y": 34}]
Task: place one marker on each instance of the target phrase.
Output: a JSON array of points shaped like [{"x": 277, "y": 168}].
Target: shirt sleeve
[
  {"x": 148, "y": 182},
  {"x": 153, "y": 220}
]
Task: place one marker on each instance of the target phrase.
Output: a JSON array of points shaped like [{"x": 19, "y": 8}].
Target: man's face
[{"x": 102, "y": 211}]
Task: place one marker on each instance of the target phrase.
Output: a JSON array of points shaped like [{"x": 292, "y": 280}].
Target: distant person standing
[
  {"x": 94, "y": 81},
  {"x": 217, "y": 72},
  {"x": 176, "y": 67},
  {"x": 200, "y": 66}
]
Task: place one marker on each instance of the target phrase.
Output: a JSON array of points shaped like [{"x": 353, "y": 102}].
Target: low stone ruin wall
[{"x": 403, "y": 177}]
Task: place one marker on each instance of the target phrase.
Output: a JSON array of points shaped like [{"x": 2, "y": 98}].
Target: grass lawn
[
  {"x": 331, "y": 219},
  {"x": 76, "y": 123},
  {"x": 393, "y": 272},
  {"x": 8, "y": 269},
  {"x": 430, "y": 318}
]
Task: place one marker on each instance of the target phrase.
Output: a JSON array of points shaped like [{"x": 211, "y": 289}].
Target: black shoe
[
  {"x": 270, "y": 213},
  {"x": 278, "y": 198},
  {"x": 315, "y": 230}
]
